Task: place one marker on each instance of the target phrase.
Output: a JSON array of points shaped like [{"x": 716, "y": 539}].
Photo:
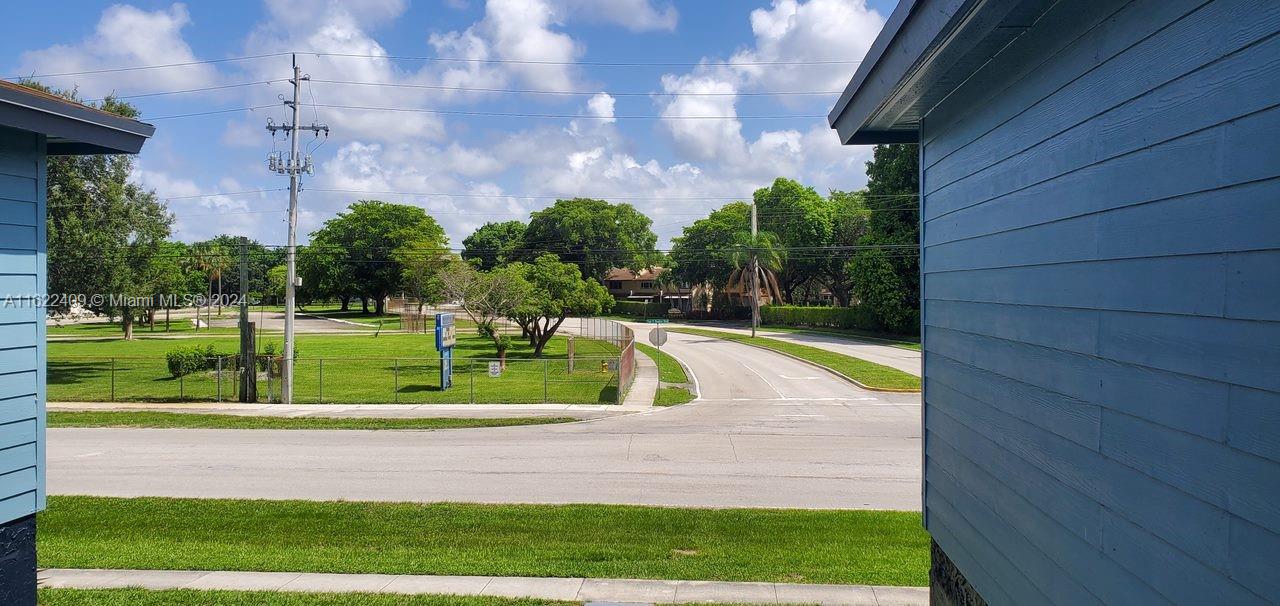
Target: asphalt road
[
  {"x": 768, "y": 431},
  {"x": 901, "y": 358}
]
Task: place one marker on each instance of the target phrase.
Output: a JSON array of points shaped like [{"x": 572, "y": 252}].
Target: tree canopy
[
  {"x": 799, "y": 218},
  {"x": 494, "y": 244},
  {"x": 103, "y": 229},
  {"x": 591, "y": 234},
  {"x": 556, "y": 291},
  {"x": 887, "y": 280},
  {"x": 353, "y": 254}
]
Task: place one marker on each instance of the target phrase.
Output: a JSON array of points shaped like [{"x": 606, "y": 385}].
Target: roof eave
[
  {"x": 71, "y": 128},
  {"x": 925, "y": 50}
]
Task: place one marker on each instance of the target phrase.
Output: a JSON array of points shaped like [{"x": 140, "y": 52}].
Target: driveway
[{"x": 768, "y": 431}]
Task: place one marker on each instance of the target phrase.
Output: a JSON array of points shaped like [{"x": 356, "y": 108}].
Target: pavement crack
[{"x": 733, "y": 448}]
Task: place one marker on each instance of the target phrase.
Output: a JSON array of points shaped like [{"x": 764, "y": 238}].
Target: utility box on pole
[{"x": 446, "y": 337}]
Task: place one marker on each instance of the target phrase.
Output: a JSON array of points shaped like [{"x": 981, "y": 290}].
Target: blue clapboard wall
[
  {"x": 22, "y": 331},
  {"x": 1101, "y": 260}
]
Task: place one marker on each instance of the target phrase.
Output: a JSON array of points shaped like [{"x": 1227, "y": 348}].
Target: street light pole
[{"x": 755, "y": 273}]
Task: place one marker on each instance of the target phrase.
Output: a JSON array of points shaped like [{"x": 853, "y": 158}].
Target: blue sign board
[{"x": 446, "y": 337}]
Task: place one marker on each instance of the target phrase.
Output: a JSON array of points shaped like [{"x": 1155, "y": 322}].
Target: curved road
[{"x": 768, "y": 431}]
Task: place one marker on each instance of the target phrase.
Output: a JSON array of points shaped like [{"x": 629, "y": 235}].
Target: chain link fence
[{"x": 584, "y": 380}]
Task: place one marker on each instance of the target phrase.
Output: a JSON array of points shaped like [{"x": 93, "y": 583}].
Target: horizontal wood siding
[
  {"x": 1101, "y": 262},
  {"x": 22, "y": 332}
]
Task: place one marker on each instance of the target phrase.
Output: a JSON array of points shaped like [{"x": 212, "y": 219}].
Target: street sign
[
  {"x": 658, "y": 336},
  {"x": 657, "y": 321},
  {"x": 446, "y": 332},
  {"x": 495, "y": 369},
  {"x": 445, "y": 339}
]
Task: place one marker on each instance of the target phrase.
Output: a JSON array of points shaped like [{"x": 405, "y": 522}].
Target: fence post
[
  {"x": 113, "y": 379},
  {"x": 471, "y": 374},
  {"x": 397, "y": 374},
  {"x": 544, "y": 381},
  {"x": 321, "y": 371},
  {"x": 219, "y": 379}
]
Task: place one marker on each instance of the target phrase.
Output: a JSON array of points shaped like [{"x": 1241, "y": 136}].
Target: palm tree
[{"x": 212, "y": 260}]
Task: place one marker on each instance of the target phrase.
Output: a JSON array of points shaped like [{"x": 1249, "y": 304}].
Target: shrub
[
  {"x": 857, "y": 317},
  {"x": 640, "y": 309},
  {"x": 193, "y": 359},
  {"x": 270, "y": 358}
]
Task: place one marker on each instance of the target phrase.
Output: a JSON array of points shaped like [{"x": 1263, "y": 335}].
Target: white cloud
[
  {"x": 635, "y": 15},
  {"x": 601, "y": 106},
  {"x": 125, "y": 36},
  {"x": 695, "y": 122},
  {"x": 817, "y": 30}
]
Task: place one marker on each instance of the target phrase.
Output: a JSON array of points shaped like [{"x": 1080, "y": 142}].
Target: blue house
[
  {"x": 1100, "y": 254},
  {"x": 33, "y": 125}
]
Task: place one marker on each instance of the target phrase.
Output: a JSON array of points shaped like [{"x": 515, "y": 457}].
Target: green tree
[
  {"x": 592, "y": 234},
  {"x": 704, "y": 253},
  {"x": 557, "y": 290},
  {"x": 800, "y": 219},
  {"x": 486, "y": 297},
  {"x": 849, "y": 217},
  {"x": 168, "y": 280},
  {"x": 421, "y": 260},
  {"x": 102, "y": 228},
  {"x": 494, "y": 244},
  {"x": 362, "y": 241},
  {"x": 277, "y": 278},
  {"x": 261, "y": 259},
  {"x": 887, "y": 275}
]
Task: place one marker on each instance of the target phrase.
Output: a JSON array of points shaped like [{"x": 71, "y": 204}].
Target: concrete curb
[
  {"x": 581, "y": 589},
  {"x": 838, "y": 374}
]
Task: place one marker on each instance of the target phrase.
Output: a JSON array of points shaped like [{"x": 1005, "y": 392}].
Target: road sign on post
[
  {"x": 446, "y": 337},
  {"x": 658, "y": 336},
  {"x": 495, "y": 369}
]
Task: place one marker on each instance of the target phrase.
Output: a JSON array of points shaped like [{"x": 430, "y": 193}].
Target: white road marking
[
  {"x": 800, "y": 378},
  {"x": 767, "y": 381}
]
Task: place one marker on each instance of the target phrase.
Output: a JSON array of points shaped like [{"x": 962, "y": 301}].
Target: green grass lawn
[
  {"x": 669, "y": 369},
  {"x": 671, "y": 396},
  {"x": 182, "y": 420},
  {"x": 107, "y": 330},
  {"x": 856, "y": 335},
  {"x": 362, "y": 368},
  {"x": 872, "y": 375},
  {"x": 598, "y": 541},
  {"x": 191, "y": 597}
]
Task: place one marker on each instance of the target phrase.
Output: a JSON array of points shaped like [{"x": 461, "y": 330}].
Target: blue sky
[{"x": 627, "y": 133}]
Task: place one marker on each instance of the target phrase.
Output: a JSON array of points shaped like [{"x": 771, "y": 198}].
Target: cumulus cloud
[
  {"x": 601, "y": 106},
  {"x": 817, "y": 30},
  {"x": 520, "y": 33},
  {"x": 125, "y": 36}
]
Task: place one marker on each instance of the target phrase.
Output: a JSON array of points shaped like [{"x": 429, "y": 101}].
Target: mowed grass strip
[
  {"x": 671, "y": 396},
  {"x": 191, "y": 597},
  {"x": 181, "y": 420},
  {"x": 598, "y": 541},
  {"x": 875, "y": 376},
  {"x": 851, "y": 334},
  {"x": 669, "y": 369}
]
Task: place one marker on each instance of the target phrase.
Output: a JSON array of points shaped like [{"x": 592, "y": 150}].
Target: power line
[
  {"x": 582, "y": 63},
  {"x": 529, "y": 91},
  {"x": 188, "y": 90},
  {"x": 488, "y": 114},
  {"x": 128, "y": 68},
  {"x": 112, "y": 70},
  {"x": 559, "y": 197}
]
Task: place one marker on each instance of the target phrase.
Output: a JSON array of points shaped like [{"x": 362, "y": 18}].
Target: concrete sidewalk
[
  {"x": 632, "y": 591},
  {"x": 386, "y": 411}
]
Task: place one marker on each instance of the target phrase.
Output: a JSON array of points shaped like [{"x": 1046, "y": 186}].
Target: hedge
[
  {"x": 820, "y": 317},
  {"x": 640, "y": 309},
  {"x": 189, "y": 360}
]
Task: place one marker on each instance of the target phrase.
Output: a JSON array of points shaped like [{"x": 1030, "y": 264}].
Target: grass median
[
  {"x": 669, "y": 371},
  {"x": 874, "y": 376},
  {"x": 851, "y": 334},
  {"x": 191, "y": 597},
  {"x": 597, "y": 541},
  {"x": 143, "y": 419}
]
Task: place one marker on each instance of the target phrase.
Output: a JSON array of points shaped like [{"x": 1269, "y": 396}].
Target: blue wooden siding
[
  {"x": 22, "y": 329},
  {"x": 1101, "y": 267}
]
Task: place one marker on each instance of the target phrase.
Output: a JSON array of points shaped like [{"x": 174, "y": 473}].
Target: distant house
[
  {"x": 1100, "y": 258},
  {"x": 644, "y": 286},
  {"x": 33, "y": 125}
]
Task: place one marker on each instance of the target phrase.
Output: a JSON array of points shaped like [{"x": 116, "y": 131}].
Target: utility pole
[
  {"x": 248, "y": 367},
  {"x": 755, "y": 273},
  {"x": 293, "y": 166}
]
